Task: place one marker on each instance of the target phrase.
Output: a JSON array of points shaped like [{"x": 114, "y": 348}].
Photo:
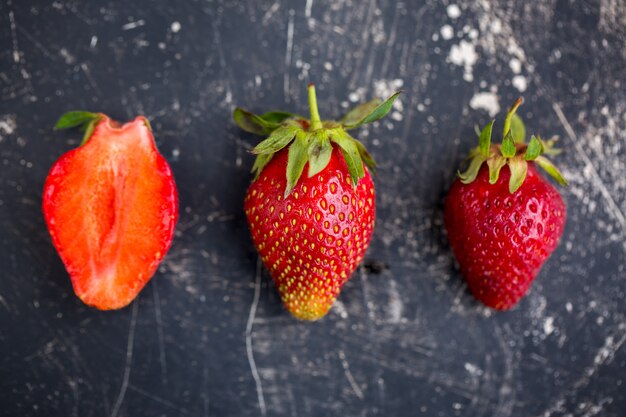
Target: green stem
[
  {"x": 509, "y": 116},
  {"x": 316, "y": 122}
]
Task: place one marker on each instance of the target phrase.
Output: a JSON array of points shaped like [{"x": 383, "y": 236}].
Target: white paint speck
[
  {"x": 516, "y": 65},
  {"x": 496, "y": 26},
  {"x": 340, "y": 309},
  {"x": 7, "y": 125},
  {"x": 464, "y": 54},
  {"x": 569, "y": 307},
  {"x": 447, "y": 32},
  {"x": 487, "y": 101},
  {"x": 454, "y": 12},
  {"x": 133, "y": 25},
  {"x": 395, "y": 303},
  {"x": 520, "y": 83},
  {"x": 93, "y": 42},
  {"x": 67, "y": 57},
  {"x": 473, "y": 369},
  {"x": 384, "y": 88},
  {"x": 548, "y": 325},
  {"x": 175, "y": 27},
  {"x": 328, "y": 66}
]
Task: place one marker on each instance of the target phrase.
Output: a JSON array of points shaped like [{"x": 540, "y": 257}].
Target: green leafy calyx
[
  {"x": 85, "y": 120},
  {"x": 513, "y": 151},
  {"x": 311, "y": 140}
]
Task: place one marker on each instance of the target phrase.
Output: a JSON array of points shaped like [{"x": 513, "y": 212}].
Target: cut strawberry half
[{"x": 111, "y": 206}]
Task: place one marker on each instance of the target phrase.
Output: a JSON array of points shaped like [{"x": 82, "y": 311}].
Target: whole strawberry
[
  {"x": 311, "y": 230},
  {"x": 503, "y": 218},
  {"x": 111, "y": 207}
]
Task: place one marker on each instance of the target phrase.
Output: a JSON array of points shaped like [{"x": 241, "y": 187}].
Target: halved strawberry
[{"x": 111, "y": 206}]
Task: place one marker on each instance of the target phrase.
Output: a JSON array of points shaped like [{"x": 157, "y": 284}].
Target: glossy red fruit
[
  {"x": 313, "y": 240},
  {"x": 111, "y": 206},
  {"x": 503, "y": 218},
  {"x": 501, "y": 239},
  {"x": 311, "y": 230}
]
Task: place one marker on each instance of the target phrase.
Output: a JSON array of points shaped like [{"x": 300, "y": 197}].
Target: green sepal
[
  {"x": 279, "y": 116},
  {"x": 367, "y": 158},
  {"x": 253, "y": 123},
  {"x": 518, "y": 129},
  {"x": 360, "y": 112},
  {"x": 551, "y": 170},
  {"x": 277, "y": 140},
  {"x": 75, "y": 118},
  {"x": 470, "y": 174},
  {"x": 484, "y": 139},
  {"x": 509, "y": 116},
  {"x": 350, "y": 153},
  {"x": 534, "y": 149},
  {"x": 259, "y": 163},
  {"x": 513, "y": 152},
  {"x": 377, "y": 113},
  {"x": 89, "y": 128},
  {"x": 519, "y": 168},
  {"x": 548, "y": 146},
  {"x": 85, "y": 120},
  {"x": 319, "y": 151},
  {"x": 296, "y": 161},
  {"x": 508, "y": 148},
  {"x": 495, "y": 164}
]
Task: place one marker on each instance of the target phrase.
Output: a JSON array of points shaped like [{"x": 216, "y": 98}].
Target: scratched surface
[{"x": 208, "y": 335}]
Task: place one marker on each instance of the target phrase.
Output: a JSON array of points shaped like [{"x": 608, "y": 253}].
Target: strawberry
[
  {"x": 311, "y": 231},
  {"x": 503, "y": 218},
  {"x": 111, "y": 206}
]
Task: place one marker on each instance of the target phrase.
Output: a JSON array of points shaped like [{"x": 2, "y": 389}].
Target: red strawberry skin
[
  {"x": 501, "y": 239},
  {"x": 313, "y": 240},
  {"x": 111, "y": 206}
]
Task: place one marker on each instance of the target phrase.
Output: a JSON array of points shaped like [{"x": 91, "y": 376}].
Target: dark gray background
[{"x": 208, "y": 335}]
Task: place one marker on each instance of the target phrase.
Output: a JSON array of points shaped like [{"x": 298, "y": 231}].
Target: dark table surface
[{"x": 208, "y": 335}]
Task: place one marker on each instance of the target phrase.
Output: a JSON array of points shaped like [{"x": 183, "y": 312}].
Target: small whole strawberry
[
  {"x": 311, "y": 230},
  {"x": 503, "y": 218},
  {"x": 111, "y": 206}
]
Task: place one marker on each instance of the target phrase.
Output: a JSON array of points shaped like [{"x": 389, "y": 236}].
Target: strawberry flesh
[{"x": 111, "y": 206}]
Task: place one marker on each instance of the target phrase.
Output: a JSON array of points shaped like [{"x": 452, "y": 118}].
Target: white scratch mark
[
  {"x": 604, "y": 355},
  {"x": 270, "y": 12},
  {"x": 349, "y": 376},
  {"x": 249, "y": 350},
  {"x": 506, "y": 392},
  {"x": 4, "y": 303},
  {"x": 129, "y": 360},
  {"x": 288, "y": 53},
  {"x": 158, "y": 399},
  {"x": 133, "y": 25},
  {"x": 16, "y": 49},
  {"x": 597, "y": 181},
  {"x": 93, "y": 42},
  {"x": 160, "y": 335},
  {"x": 92, "y": 82},
  {"x": 307, "y": 8}
]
